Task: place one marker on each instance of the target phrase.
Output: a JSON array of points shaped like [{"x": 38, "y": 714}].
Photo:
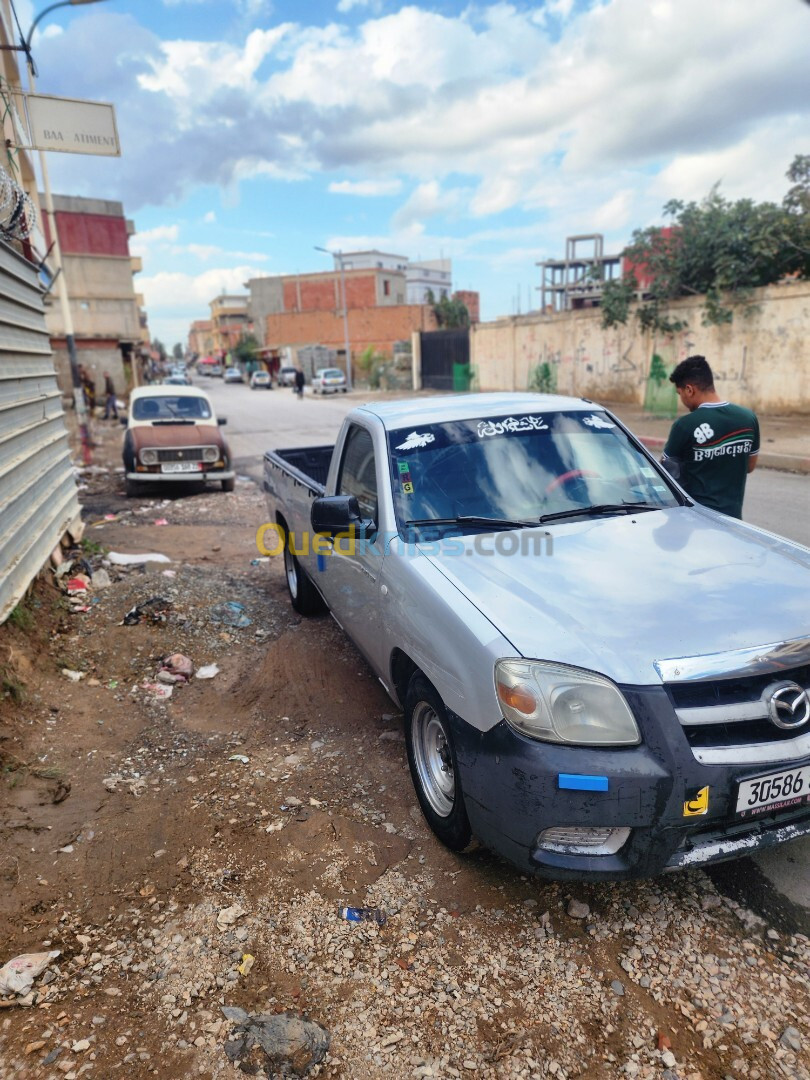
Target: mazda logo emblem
[{"x": 788, "y": 705}]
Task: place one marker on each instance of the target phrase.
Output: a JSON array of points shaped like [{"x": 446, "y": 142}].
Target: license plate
[
  {"x": 774, "y": 791},
  {"x": 180, "y": 466}
]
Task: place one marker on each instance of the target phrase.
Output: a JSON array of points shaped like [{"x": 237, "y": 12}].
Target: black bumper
[{"x": 512, "y": 793}]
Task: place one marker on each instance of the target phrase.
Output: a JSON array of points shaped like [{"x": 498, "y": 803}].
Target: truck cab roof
[{"x": 449, "y": 407}]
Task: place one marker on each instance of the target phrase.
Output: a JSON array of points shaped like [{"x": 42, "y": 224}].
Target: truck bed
[{"x": 308, "y": 465}]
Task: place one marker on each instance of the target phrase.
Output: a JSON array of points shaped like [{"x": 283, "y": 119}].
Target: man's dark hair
[{"x": 694, "y": 370}]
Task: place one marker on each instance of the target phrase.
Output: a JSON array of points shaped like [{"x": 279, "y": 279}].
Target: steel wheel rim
[
  {"x": 433, "y": 760},
  {"x": 289, "y": 568}
]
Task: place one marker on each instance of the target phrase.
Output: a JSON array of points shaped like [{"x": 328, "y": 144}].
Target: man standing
[
  {"x": 711, "y": 450},
  {"x": 299, "y": 383},
  {"x": 110, "y": 404}
]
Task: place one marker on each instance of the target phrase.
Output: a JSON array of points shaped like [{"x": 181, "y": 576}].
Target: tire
[
  {"x": 304, "y": 597},
  {"x": 229, "y": 485},
  {"x": 433, "y": 765},
  {"x": 133, "y": 489}
]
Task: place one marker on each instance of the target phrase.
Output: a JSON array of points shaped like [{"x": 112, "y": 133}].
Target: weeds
[
  {"x": 92, "y": 547},
  {"x": 21, "y": 617}
]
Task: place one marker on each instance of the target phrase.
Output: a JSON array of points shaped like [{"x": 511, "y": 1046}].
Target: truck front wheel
[
  {"x": 304, "y": 597},
  {"x": 433, "y": 764}
]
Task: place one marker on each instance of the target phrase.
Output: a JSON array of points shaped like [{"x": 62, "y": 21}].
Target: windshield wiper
[
  {"x": 474, "y": 521},
  {"x": 601, "y": 508}
]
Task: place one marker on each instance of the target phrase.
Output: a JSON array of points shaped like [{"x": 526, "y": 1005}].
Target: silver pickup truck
[{"x": 600, "y": 679}]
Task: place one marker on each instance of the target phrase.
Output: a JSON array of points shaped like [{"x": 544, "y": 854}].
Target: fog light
[{"x": 578, "y": 840}]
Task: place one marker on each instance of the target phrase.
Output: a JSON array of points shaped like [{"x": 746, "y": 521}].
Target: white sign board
[{"x": 74, "y": 127}]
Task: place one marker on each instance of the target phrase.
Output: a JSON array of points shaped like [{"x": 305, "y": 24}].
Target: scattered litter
[
  {"x": 247, "y": 963},
  {"x": 157, "y": 608},
  {"x": 74, "y": 610},
  {"x": 364, "y": 914},
  {"x": 240, "y": 757},
  {"x": 157, "y": 689},
  {"x": 292, "y": 1044},
  {"x": 77, "y": 584},
  {"x": 101, "y": 579},
  {"x": 259, "y": 561},
  {"x": 228, "y": 916},
  {"x": 169, "y": 573},
  {"x": 111, "y": 517},
  {"x": 230, "y": 613},
  {"x": 17, "y": 976},
  {"x": 66, "y": 850},
  {"x": 135, "y": 785},
  {"x": 63, "y": 568},
  {"x": 161, "y": 521},
  {"x": 207, "y": 672},
  {"x": 175, "y": 668},
  {"x": 74, "y": 676},
  {"x": 119, "y": 559}
]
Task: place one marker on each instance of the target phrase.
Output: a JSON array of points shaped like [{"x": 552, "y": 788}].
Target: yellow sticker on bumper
[{"x": 698, "y": 804}]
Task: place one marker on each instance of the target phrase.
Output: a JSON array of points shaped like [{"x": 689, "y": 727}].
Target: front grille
[
  {"x": 726, "y": 721},
  {"x": 184, "y": 453}
]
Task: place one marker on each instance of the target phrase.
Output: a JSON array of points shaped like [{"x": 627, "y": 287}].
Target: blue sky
[{"x": 487, "y": 132}]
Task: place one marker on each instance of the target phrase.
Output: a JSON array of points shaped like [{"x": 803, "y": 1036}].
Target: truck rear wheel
[
  {"x": 433, "y": 764},
  {"x": 304, "y": 597}
]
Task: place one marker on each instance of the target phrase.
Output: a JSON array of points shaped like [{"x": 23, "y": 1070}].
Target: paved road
[{"x": 777, "y": 883}]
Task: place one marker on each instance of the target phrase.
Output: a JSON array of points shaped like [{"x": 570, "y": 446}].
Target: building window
[{"x": 386, "y": 288}]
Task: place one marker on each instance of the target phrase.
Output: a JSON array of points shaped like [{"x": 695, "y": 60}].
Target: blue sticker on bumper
[{"x": 578, "y": 782}]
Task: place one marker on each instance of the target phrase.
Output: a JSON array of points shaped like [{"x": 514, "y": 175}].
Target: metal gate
[{"x": 441, "y": 351}]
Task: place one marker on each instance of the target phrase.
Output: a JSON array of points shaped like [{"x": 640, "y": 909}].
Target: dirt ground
[{"x": 277, "y": 792}]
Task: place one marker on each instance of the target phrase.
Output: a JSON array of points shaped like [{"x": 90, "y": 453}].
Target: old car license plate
[
  {"x": 180, "y": 466},
  {"x": 782, "y": 789}
]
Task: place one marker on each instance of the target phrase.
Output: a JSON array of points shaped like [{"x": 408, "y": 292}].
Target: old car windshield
[
  {"x": 163, "y": 407},
  {"x": 520, "y": 468}
]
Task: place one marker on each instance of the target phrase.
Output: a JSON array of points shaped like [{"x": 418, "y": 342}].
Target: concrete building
[
  {"x": 94, "y": 238},
  {"x": 421, "y": 278},
  {"x": 230, "y": 320},
  {"x": 200, "y": 338}
]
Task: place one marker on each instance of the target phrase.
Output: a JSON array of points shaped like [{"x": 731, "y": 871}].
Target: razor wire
[{"x": 18, "y": 214}]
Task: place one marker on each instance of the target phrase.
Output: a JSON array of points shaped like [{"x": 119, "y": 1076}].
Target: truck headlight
[
  {"x": 562, "y": 704},
  {"x": 149, "y": 457}
]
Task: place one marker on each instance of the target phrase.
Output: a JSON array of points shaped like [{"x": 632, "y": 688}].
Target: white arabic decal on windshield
[
  {"x": 597, "y": 422},
  {"x": 415, "y": 440},
  {"x": 510, "y": 425}
]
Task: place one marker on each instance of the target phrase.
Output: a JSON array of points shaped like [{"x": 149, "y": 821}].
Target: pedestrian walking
[
  {"x": 110, "y": 403},
  {"x": 89, "y": 387},
  {"x": 712, "y": 449},
  {"x": 299, "y": 383}
]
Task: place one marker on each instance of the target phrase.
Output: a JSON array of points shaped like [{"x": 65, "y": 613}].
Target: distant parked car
[
  {"x": 261, "y": 379},
  {"x": 215, "y": 369},
  {"x": 286, "y": 376},
  {"x": 177, "y": 379},
  {"x": 233, "y": 375},
  {"x": 173, "y": 434},
  {"x": 329, "y": 380}
]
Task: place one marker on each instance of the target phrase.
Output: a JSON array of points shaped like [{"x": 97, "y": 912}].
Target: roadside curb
[{"x": 783, "y": 462}]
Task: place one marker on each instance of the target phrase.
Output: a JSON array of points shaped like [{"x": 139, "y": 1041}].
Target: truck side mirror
[{"x": 334, "y": 514}]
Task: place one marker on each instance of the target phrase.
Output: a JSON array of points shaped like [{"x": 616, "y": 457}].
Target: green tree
[
  {"x": 450, "y": 314},
  {"x": 245, "y": 349},
  {"x": 177, "y": 351},
  {"x": 717, "y": 249},
  {"x": 158, "y": 345}
]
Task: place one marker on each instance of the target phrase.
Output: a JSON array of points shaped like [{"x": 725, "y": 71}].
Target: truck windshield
[{"x": 520, "y": 468}]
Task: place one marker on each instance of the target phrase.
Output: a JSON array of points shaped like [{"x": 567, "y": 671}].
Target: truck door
[{"x": 348, "y": 576}]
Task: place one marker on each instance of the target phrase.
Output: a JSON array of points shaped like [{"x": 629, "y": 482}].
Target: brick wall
[
  {"x": 378, "y": 327},
  {"x": 90, "y": 234},
  {"x": 321, "y": 292}
]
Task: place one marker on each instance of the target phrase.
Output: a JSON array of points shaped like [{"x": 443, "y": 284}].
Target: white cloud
[
  {"x": 210, "y": 218},
  {"x": 426, "y": 201},
  {"x": 204, "y": 252},
  {"x": 366, "y": 188},
  {"x": 345, "y": 6}
]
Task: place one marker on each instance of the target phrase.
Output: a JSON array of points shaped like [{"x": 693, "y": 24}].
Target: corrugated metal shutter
[{"x": 38, "y": 500}]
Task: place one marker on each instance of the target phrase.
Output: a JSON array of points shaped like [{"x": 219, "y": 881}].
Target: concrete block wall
[{"x": 761, "y": 359}]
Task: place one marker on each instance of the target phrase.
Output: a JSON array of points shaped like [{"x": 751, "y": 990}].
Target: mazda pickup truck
[{"x": 600, "y": 678}]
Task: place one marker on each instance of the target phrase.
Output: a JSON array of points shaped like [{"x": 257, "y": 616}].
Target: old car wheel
[
  {"x": 433, "y": 764},
  {"x": 133, "y": 488},
  {"x": 304, "y": 597},
  {"x": 229, "y": 485}
]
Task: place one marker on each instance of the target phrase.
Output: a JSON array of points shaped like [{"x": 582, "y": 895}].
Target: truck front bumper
[{"x": 514, "y": 790}]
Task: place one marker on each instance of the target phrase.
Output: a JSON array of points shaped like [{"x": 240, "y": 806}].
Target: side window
[{"x": 357, "y": 472}]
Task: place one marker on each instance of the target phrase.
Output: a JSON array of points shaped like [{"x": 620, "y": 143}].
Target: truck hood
[{"x": 615, "y": 595}]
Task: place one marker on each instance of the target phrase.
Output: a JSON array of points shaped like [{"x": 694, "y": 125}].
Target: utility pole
[{"x": 339, "y": 256}]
